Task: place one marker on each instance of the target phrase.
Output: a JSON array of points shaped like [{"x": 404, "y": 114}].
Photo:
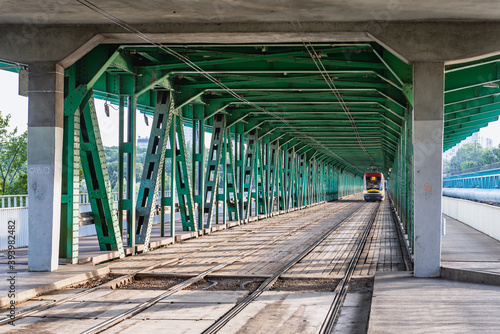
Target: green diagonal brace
[
  {"x": 97, "y": 180},
  {"x": 153, "y": 168},
  {"x": 182, "y": 178}
]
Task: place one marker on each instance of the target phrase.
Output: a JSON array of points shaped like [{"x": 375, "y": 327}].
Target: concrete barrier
[{"x": 482, "y": 217}]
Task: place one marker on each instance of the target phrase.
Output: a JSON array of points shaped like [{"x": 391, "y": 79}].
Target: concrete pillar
[
  {"x": 45, "y": 138},
  {"x": 428, "y": 94}
]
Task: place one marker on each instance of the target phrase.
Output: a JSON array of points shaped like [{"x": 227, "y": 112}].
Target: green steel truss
[
  {"x": 183, "y": 180},
  {"x": 153, "y": 168},
  {"x": 297, "y": 148},
  {"x": 97, "y": 180},
  {"x": 212, "y": 171},
  {"x": 232, "y": 200},
  {"x": 249, "y": 171}
]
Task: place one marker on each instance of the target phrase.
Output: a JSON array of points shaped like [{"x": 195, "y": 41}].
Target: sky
[{"x": 17, "y": 106}]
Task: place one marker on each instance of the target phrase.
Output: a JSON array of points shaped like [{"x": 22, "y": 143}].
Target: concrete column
[
  {"x": 45, "y": 138},
  {"x": 428, "y": 93}
]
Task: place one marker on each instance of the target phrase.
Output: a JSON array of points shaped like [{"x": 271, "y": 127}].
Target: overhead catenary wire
[
  {"x": 324, "y": 73},
  {"x": 207, "y": 75}
]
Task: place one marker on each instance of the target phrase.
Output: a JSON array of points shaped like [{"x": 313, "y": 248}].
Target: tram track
[
  {"x": 268, "y": 283},
  {"x": 249, "y": 251},
  {"x": 123, "y": 279}
]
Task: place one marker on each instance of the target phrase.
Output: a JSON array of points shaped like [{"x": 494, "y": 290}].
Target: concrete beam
[
  {"x": 428, "y": 114},
  {"x": 429, "y": 41},
  {"x": 45, "y": 139}
]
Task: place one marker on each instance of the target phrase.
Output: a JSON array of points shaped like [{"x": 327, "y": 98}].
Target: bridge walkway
[{"x": 460, "y": 304}]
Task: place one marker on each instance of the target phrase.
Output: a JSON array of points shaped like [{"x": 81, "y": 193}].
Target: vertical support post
[
  {"x": 231, "y": 194},
  {"x": 260, "y": 190},
  {"x": 239, "y": 139},
  {"x": 428, "y": 93},
  {"x": 223, "y": 182},
  {"x": 199, "y": 160},
  {"x": 127, "y": 148},
  {"x": 45, "y": 141},
  {"x": 121, "y": 174},
  {"x": 274, "y": 170},
  {"x": 70, "y": 202},
  {"x": 171, "y": 153},
  {"x": 162, "y": 197},
  {"x": 248, "y": 171}
]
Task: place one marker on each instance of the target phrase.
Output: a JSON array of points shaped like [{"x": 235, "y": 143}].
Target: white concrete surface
[
  {"x": 45, "y": 140},
  {"x": 428, "y": 123},
  {"x": 482, "y": 217},
  {"x": 405, "y": 304},
  {"x": 282, "y": 312}
]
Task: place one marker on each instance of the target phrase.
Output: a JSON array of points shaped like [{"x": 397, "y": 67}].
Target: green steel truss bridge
[
  {"x": 288, "y": 123},
  {"x": 281, "y": 137}
]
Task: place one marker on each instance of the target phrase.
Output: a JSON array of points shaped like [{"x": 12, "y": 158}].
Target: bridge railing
[
  {"x": 481, "y": 182},
  {"x": 13, "y": 201},
  {"x": 14, "y": 208},
  {"x": 474, "y": 169}
]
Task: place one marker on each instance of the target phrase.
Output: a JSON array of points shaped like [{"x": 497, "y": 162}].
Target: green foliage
[
  {"x": 112, "y": 162},
  {"x": 472, "y": 155},
  {"x": 13, "y": 159}
]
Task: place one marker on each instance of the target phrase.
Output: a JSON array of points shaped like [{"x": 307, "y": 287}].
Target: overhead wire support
[{"x": 207, "y": 75}]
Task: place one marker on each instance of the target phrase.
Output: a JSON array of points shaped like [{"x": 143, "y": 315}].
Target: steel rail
[
  {"x": 341, "y": 289},
  {"x": 139, "y": 308},
  {"x": 49, "y": 305},
  {"x": 268, "y": 283}
]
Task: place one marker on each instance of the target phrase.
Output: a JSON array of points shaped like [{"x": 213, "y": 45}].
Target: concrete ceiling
[{"x": 180, "y": 11}]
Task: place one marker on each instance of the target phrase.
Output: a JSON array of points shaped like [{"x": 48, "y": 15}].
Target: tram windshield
[{"x": 373, "y": 182}]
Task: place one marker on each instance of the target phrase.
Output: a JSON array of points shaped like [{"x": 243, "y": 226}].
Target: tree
[
  {"x": 468, "y": 156},
  {"x": 13, "y": 159}
]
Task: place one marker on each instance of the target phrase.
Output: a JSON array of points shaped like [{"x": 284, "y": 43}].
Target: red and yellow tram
[{"x": 373, "y": 187}]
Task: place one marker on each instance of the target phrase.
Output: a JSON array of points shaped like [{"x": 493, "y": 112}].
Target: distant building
[{"x": 142, "y": 142}]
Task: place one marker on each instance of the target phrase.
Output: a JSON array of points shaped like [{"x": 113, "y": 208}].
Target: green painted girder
[
  {"x": 255, "y": 74},
  {"x": 290, "y": 98},
  {"x": 153, "y": 169},
  {"x": 313, "y": 104},
  {"x": 277, "y": 175},
  {"x": 248, "y": 172},
  {"x": 97, "y": 179},
  {"x": 92, "y": 67},
  {"x": 70, "y": 191},
  {"x": 337, "y": 124},
  {"x": 211, "y": 189},
  {"x": 260, "y": 195},
  {"x": 304, "y": 81},
  {"x": 183, "y": 180},
  {"x": 465, "y": 115},
  {"x": 481, "y": 114},
  {"x": 466, "y": 77},
  {"x": 262, "y": 72},
  {"x": 471, "y": 104},
  {"x": 461, "y": 133},
  {"x": 475, "y": 123},
  {"x": 11, "y": 67},
  {"x": 337, "y": 118},
  {"x": 232, "y": 200},
  {"x": 469, "y": 95}
]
